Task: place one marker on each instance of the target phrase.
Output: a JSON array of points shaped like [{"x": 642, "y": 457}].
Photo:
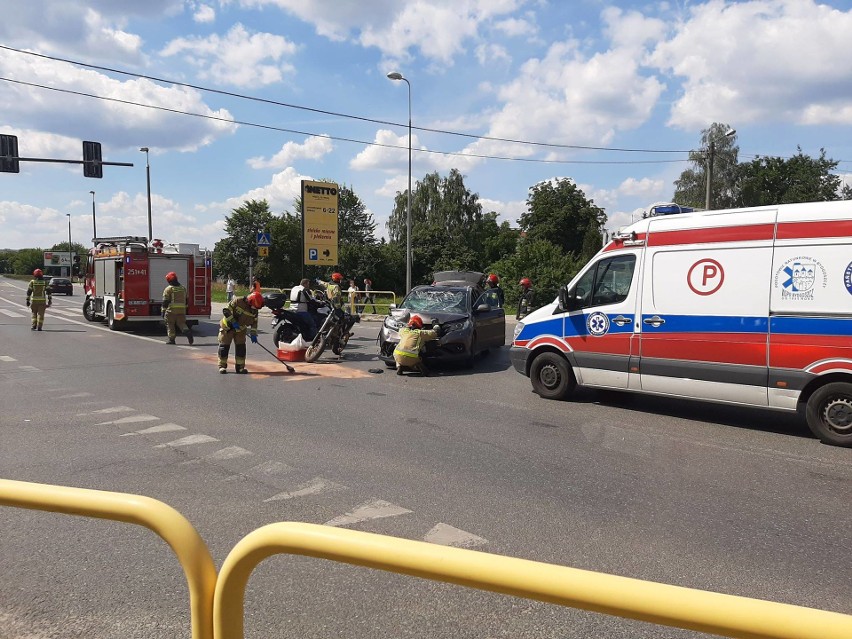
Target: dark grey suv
[{"x": 471, "y": 317}]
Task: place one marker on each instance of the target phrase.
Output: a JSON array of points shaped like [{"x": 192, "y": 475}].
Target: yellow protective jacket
[
  {"x": 239, "y": 311},
  {"x": 174, "y": 299},
  {"x": 38, "y": 291},
  {"x": 333, "y": 293},
  {"x": 411, "y": 342}
]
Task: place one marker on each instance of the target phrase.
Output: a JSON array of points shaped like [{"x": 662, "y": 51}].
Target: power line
[
  {"x": 334, "y": 113},
  {"x": 330, "y": 137}
]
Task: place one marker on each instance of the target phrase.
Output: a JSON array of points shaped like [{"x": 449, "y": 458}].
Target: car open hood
[{"x": 458, "y": 278}]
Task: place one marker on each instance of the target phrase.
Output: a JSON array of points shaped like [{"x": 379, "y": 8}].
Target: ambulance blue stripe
[
  {"x": 575, "y": 326},
  {"x": 706, "y": 324},
  {"x": 811, "y": 326}
]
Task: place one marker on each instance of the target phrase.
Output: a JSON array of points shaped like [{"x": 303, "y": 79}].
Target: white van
[{"x": 743, "y": 306}]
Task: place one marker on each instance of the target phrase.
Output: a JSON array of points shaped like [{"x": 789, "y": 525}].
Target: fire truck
[{"x": 125, "y": 278}]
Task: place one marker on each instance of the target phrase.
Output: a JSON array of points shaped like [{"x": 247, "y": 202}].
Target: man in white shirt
[
  {"x": 229, "y": 287},
  {"x": 299, "y": 297}
]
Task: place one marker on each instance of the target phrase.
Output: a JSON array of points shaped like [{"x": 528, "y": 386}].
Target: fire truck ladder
[{"x": 199, "y": 281}]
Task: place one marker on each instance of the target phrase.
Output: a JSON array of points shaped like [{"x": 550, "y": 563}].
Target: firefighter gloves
[{"x": 253, "y": 339}]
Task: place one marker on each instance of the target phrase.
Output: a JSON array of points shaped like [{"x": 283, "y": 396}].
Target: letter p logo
[{"x": 705, "y": 277}]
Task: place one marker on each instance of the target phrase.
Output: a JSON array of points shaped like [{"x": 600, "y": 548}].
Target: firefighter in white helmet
[{"x": 174, "y": 308}]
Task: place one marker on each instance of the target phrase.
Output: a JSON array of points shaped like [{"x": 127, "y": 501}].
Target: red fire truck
[{"x": 125, "y": 278}]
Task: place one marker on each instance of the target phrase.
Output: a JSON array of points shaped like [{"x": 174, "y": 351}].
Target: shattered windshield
[{"x": 438, "y": 300}]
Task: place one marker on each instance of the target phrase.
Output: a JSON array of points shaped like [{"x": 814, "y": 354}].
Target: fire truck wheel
[
  {"x": 551, "y": 376},
  {"x": 113, "y": 323},
  {"x": 89, "y": 311},
  {"x": 829, "y": 413}
]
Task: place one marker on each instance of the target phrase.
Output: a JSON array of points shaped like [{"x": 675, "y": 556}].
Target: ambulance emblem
[
  {"x": 847, "y": 278},
  {"x": 598, "y": 324}
]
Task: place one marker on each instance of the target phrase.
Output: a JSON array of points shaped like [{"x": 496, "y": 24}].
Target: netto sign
[{"x": 319, "y": 223}]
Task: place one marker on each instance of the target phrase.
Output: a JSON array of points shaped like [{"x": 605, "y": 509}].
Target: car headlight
[
  {"x": 454, "y": 326},
  {"x": 518, "y": 328},
  {"x": 393, "y": 324}
]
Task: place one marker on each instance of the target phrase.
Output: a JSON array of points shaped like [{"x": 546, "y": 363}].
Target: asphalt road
[{"x": 738, "y": 501}]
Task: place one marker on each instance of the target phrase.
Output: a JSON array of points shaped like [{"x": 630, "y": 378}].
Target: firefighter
[
  {"x": 492, "y": 283},
  {"x": 332, "y": 289},
  {"x": 526, "y": 301},
  {"x": 174, "y": 308},
  {"x": 411, "y": 341},
  {"x": 39, "y": 297},
  {"x": 240, "y": 317}
]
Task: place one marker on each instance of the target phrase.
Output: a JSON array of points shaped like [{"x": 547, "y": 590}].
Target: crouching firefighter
[
  {"x": 240, "y": 317},
  {"x": 412, "y": 340},
  {"x": 174, "y": 309}
]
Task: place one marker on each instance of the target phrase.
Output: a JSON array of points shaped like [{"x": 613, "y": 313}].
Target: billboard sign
[
  {"x": 59, "y": 258},
  {"x": 319, "y": 222}
]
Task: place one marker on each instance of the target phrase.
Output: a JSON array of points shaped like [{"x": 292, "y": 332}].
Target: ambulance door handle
[
  {"x": 620, "y": 320},
  {"x": 654, "y": 321}
]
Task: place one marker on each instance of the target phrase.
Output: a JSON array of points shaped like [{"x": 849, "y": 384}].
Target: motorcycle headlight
[
  {"x": 455, "y": 326},
  {"x": 518, "y": 328}
]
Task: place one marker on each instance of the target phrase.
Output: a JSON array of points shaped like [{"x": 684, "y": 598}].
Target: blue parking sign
[{"x": 313, "y": 254}]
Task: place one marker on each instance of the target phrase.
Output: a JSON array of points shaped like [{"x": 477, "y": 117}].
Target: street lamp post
[
  {"x": 70, "y": 258},
  {"x": 148, "y": 176},
  {"x": 710, "y": 153},
  {"x": 94, "y": 224},
  {"x": 395, "y": 75}
]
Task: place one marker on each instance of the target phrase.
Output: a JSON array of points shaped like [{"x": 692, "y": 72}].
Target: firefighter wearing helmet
[
  {"x": 526, "y": 300},
  {"x": 332, "y": 289},
  {"x": 492, "y": 283},
  {"x": 240, "y": 318},
  {"x": 38, "y": 298},
  {"x": 412, "y": 340},
  {"x": 174, "y": 309}
]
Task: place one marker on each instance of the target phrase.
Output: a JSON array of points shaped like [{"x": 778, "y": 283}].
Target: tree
[
  {"x": 540, "y": 260},
  {"x": 25, "y": 261},
  {"x": 355, "y": 224},
  {"x": 231, "y": 254},
  {"x": 559, "y": 212},
  {"x": 801, "y": 178},
  {"x": 691, "y": 186},
  {"x": 76, "y": 247}
]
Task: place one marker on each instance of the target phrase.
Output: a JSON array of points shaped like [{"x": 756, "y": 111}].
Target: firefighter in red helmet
[
  {"x": 526, "y": 300},
  {"x": 412, "y": 340},
  {"x": 492, "y": 283},
  {"x": 332, "y": 289},
  {"x": 174, "y": 309},
  {"x": 240, "y": 317},
  {"x": 38, "y": 298}
]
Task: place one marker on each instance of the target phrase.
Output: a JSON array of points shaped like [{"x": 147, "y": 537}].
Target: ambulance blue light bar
[{"x": 669, "y": 209}]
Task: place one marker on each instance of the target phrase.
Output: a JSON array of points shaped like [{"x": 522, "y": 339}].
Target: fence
[
  {"x": 381, "y": 299},
  {"x": 217, "y": 603}
]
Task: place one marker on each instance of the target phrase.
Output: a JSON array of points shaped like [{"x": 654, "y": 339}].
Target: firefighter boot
[
  {"x": 224, "y": 349},
  {"x": 398, "y": 369},
  {"x": 222, "y": 370},
  {"x": 189, "y": 337},
  {"x": 240, "y": 369},
  {"x": 171, "y": 340}
]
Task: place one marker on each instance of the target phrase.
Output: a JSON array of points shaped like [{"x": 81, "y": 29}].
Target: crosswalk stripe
[
  {"x": 159, "y": 428},
  {"x": 113, "y": 409},
  {"x": 447, "y": 535},
  {"x": 130, "y": 420},
  {"x": 314, "y": 487},
  {"x": 190, "y": 440},
  {"x": 7, "y": 358},
  {"x": 371, "y": 510},
  {"x": 73, "y": 395},
  {"x": 10, "y": 313},
  {"x": 29, "y": 369},
  {"x": 231, "y": 452}
]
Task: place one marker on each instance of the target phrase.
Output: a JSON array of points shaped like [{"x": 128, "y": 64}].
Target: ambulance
[{"x": 751, "y": 307}]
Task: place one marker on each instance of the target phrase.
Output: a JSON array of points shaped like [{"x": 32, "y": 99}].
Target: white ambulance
[{"x": 743, "y": 306}]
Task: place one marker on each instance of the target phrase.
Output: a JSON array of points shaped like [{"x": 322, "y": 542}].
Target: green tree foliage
[
  {"x": 498, "y": 240},
  {"x": 25, "y": 261},
  {"x": 355, "y": 224},
  {"x": 231, "y": 254},
  {"x": 540, "y": 260},
  {"x": 283, "y": 267},
  {"x": 560, "y": 213},
  {"x": 801, "y": 178},
  {"x": 76, "y": 247},
  {"x": 691, "y": 186}
]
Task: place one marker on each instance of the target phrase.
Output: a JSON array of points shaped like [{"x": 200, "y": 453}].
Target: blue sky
[{"x": 588, "y": 73}]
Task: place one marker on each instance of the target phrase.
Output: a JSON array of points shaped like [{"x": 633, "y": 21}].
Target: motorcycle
[
  {"x": 288, "y": 325},
  {"x": 334, "y": 332}
]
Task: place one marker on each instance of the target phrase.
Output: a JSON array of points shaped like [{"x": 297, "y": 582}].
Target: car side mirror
[
  {"x": 392, "y": 306},
  {"x": 563, "y": 298},
  {"x": 482, "y": 308}
]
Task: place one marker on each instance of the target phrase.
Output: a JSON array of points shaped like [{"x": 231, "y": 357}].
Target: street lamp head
[
  {"x": 144, "y": 149},
  {"x": 92, "y": 192},
  {"x": 395, "y": 75},
  {"x": 730, "y": 132}
]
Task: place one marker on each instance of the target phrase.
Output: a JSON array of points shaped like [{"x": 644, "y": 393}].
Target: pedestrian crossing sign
[{"x": 264, "y": 239}]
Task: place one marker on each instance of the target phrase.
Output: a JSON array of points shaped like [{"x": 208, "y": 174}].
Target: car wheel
[
  {"x": 829, "y": 413},
  {"x": 551, "y": 376}
]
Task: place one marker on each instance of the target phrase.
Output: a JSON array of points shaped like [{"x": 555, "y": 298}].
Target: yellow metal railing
[
  {"x": 191, "y": 551},
  {"x": 216, "y": 604}
]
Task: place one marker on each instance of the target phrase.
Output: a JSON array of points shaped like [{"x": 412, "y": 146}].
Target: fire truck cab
[{"x": 125, "y": 278}]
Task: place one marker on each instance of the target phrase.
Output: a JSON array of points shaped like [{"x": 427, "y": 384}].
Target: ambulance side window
[{"x": 608, "y": 282}]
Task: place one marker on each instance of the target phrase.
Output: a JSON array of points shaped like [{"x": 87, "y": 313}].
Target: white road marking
[
  {"x": 11, "y": 313},
  {"x": 113, "y": 409},
  {"x": 29, "y": 369},
  {"x": 371, "y": 510},
  {"x": 73, "y": 395},
  {"x": 446, "y": 535},
  {"x": 62, "y": 311},
  {"x": 6, "y": 358},
  {"x": 159, "y": 428},
  {"x": 314, "y": 487},
  {"x": 189, "y": 440},
  {"x": 130, "y": 420},
  {"x": 231, "y": 452},
  {"x": 270, "y": 468}
]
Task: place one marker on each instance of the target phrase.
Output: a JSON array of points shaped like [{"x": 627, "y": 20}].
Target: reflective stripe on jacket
[
  {"x": 38, "y": 291},
  {"x": 411, "y": 341},
  {"x": 242, "y": 313},
  {"x": 174, "y": 299}
]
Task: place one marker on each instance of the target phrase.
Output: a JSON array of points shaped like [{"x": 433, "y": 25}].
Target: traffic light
[
  {"x": 75, "y": 268},
  {"x": 9, "y": 154},
  {"x": 92, "y": 159}
]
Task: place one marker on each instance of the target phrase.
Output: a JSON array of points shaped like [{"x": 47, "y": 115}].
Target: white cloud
[
  {"x": 489, "y": 52},
  {"x": 314, "y": 148},
  {"x": 390, "y": 154},
  {"x": 284, "y": 187},
  {"x": 239, "y": 58},
  {"x": 204, "y": 13},
  {"x": 758, "y": 61},
  {"x": 515, "y": 27},
  {"x": 506, "y": 211}
]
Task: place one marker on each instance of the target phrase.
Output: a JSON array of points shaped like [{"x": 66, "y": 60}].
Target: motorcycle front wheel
[{"x": 316, "y": 348}]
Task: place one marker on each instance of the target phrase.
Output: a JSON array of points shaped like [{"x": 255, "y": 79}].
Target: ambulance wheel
[
  {"x": 89, "y": 311},
  {"x": 829, "y": 413},
  {"x": 551, "y": 376}
]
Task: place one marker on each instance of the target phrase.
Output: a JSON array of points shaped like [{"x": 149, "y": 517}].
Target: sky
[{"x": 243, "y": 99}]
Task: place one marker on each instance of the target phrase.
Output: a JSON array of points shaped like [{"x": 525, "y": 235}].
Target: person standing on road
[
  {"x": 300, "y": 303},
  {"x": 39, "y": 298},
  {"x": 368, "y": 296},
  {"x": 240, "y": 317},
  {"x": 354, "y": 298},
  {"x": 229, "y": 287},
  {"x": 412, "y": 339},
  {"x": 174, "y": 309},
  {"x": 526, "y": 301}
]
